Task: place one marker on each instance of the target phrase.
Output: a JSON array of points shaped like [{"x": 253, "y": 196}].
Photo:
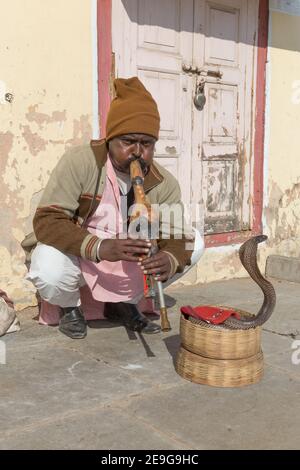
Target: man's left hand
[{"x": 159, "y": 265}]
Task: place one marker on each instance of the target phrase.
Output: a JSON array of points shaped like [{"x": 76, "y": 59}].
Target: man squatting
[{"x": 76, "y": 246}]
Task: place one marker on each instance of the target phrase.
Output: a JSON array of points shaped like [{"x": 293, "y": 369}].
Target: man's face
[{"x": 126, "y": 148}]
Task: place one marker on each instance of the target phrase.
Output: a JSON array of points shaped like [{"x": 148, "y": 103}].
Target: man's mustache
[{"x": 142, "y": 162}]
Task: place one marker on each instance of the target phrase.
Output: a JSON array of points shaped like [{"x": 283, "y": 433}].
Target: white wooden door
[{"x": 209, "y": 151}]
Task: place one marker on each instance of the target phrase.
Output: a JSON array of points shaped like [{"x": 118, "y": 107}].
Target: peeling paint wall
[
  {"x": 46, "y": 64},
  {"x": 282, "y": 179}
]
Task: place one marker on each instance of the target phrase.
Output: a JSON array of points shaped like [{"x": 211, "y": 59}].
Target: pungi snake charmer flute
[{"x": 141, "y": 200}]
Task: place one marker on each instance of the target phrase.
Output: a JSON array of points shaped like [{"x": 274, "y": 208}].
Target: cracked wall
[
  {"x": 46, "y": 64},
  {"x": 282, "y": 181}
]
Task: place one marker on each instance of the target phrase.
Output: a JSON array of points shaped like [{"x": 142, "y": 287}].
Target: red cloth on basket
[{"x": 210, "y": 314}]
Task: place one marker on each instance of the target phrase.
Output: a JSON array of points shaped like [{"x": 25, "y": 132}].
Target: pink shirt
[{"x": 116, "y": 281}]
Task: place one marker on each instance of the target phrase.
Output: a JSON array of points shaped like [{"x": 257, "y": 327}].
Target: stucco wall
[
  {"x": 46, "y": 63},
  {"x": 282, "y": 176}
]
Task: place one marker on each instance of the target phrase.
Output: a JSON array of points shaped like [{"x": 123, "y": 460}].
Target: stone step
[{"x": 283, "y": 267}]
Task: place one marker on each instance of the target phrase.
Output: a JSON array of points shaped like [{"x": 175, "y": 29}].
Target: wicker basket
[
  {"x": 218, "y": 342},
  {"x": 217, "y": 356},
  {"x": 218, "y": 372}
]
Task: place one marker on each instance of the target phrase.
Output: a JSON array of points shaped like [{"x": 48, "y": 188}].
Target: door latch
[{"x": 203, "y": 72}]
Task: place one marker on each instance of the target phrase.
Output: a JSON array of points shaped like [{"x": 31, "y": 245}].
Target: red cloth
[{"x": 210, "y": 314}]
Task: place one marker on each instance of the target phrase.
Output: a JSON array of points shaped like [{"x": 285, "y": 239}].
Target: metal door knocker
[{"x": 199, "y": 98}]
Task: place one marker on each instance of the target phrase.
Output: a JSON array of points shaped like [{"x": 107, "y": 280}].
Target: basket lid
[{"x": 209, "y": 313}]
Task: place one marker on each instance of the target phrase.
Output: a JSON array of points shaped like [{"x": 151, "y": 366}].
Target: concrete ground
[{"x": 115, "y": 390}]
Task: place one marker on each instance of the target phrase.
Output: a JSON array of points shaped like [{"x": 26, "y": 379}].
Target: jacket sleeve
[
  {"x": 175, "y": 236},
  {"x": 53, "y": 222}
]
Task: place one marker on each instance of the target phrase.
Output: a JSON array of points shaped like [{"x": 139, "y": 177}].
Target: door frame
[{"x": 106, "y": 75}]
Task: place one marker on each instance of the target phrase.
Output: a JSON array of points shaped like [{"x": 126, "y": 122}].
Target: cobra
[{"x": 248, "y": 257}]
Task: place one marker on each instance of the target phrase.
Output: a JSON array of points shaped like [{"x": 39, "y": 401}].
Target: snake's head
[
  {"x": 260, "y": 238},
  {"x": 251, "y": 244}
]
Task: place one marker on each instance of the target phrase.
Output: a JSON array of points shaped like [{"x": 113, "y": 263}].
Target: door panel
[
  {"x": 222, "y": 35},
  {"x": 160, "y": 23},
  {"x": 220, "y": 125}
]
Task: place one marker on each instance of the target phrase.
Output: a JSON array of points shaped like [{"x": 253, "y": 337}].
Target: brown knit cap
[{"x": 132, "y": 111}]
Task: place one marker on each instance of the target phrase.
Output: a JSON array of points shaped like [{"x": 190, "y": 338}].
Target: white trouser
[{"x": 58, "y": 277}]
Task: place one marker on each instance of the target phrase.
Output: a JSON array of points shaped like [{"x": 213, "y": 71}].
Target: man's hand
[
  {"x": 159, "y": 265},
  {"x": 123, "y": 249}
]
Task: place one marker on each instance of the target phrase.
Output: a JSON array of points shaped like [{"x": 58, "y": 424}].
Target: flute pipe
[
  {"x": 161, "y": 296},
  {"x": 137, "y": 179},
  {"x": 165, "y": 324}
]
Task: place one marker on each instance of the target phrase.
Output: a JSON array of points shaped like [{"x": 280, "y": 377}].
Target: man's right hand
[{"x": 126, "y": 249}]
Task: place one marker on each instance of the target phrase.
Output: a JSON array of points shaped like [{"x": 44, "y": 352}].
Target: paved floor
[{"x": 115, "y": 390}]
